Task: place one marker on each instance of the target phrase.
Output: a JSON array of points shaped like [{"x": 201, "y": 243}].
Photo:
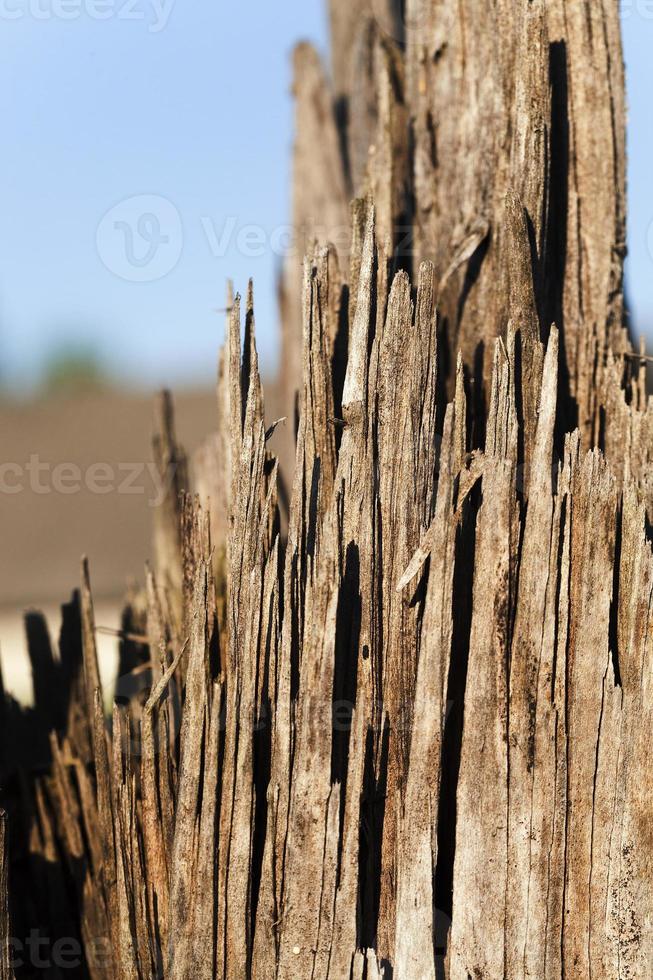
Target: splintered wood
[
  {"x": 418, "y": 728},
  {"x": 387, "y": 710}
]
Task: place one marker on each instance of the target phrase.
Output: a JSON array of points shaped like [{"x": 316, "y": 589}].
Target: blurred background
[{"x": 146, "y": 159}]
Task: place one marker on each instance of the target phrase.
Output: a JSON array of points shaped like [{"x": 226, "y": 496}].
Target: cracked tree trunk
[{"x": 409, "y": 735}]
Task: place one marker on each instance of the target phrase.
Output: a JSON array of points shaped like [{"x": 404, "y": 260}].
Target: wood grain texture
[{"x": 402, "y": 729}]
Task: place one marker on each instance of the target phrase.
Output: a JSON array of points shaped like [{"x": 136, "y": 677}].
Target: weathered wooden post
[{"x": 409, "y": 737}]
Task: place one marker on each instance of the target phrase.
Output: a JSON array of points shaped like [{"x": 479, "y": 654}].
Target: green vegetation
[{"x": 73, "y": 369}]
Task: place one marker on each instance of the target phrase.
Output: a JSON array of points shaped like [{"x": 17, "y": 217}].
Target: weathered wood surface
[
  {"x": 431, "y": 706},
  {"x": 402, "y": 729},
  {"x": 457, "y": 116}
]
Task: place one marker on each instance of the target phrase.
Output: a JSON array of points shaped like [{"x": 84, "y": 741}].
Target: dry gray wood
[
  {"x": 446, "y": 111},
  {"x": 404, "y": 731},
  {"x": 307, "y": 772}
]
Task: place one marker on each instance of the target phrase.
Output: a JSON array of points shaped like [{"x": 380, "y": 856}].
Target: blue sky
[
  {"x": 638, "y": 46},
  {"x": 178, "y": 113}
]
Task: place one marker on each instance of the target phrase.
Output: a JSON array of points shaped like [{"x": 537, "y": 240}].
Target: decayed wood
[
  {"x": 171, "y": 464},
  {"x": 515, "y": 101},
  {"x": 301, "y": 810},
  {"x": 405, "y": 731}
]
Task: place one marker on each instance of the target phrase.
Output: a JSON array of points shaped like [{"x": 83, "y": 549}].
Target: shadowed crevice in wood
[
  {"x": 372, "y": 818},
  {"x": 345, "y": 670},
  {"x": 614, "y": 604},
  {"x": 45, "y": 682},
  {"x": 455, "y": 706},
  {"x": 472, "y": 274},
  {"x": 339, "y": 356},
  {"x": 262, "y": 763},
  {"x": 476, "y": 396},
  {"x": 557, "y": 197},
  {"x": 133, "y": 654}
]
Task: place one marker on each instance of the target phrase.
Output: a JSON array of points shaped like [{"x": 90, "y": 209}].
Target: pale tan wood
[{"x": 406, "y": 730}]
